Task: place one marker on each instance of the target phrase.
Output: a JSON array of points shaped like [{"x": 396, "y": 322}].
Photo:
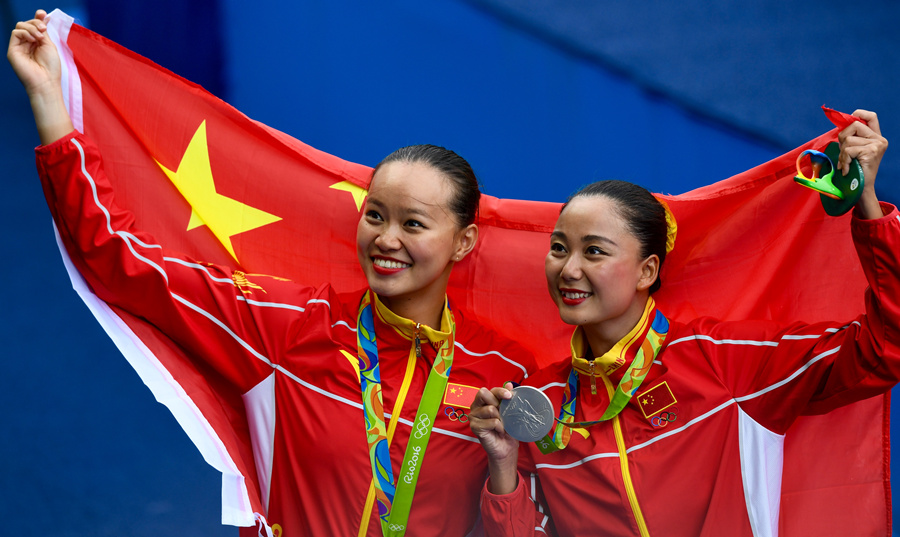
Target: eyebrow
[
  {"x": 586, "y": 238},
  {"x": 412, "y": 210},
  {"x": 598, "y": 238},
  {"x": 407, "y": 210}
]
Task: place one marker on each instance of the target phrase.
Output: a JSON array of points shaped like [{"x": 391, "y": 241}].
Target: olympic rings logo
[
  {"x": 664, "y": 418},
  {"x": 456, "y": 415},
  {"x": 423, "y": 425},
  {"x": 396, "y": 527}
]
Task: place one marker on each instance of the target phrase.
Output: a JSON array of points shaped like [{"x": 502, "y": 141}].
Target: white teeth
[
  {"x": 574, "y": 296},
  {"x": 385, "y": 263}
]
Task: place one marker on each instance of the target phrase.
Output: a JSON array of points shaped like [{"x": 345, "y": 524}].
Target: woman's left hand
[{"x": 865, "y": 144}]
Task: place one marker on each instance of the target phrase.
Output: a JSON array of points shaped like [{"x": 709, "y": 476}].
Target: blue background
[{"x": 541, "y": 97}]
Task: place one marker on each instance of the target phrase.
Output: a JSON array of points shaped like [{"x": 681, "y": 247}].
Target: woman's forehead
[
  {"x": 413, "y": 186},
  {"x": 591, "y": 215}
]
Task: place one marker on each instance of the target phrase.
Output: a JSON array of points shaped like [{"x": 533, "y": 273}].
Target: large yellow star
[
  {"x": 358, "y": 193},
  {"x": 224, "y": 216}
]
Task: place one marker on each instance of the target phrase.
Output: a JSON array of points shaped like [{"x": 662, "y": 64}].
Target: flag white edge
[{"x": 236, "y": 506}]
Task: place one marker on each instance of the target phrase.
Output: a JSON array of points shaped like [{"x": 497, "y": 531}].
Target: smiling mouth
[
  {"x": 389, "y": 264},
  {"x": 574, "y": 295}
]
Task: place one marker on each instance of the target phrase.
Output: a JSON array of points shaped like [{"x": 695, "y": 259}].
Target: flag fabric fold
[{"x": 751, "y": 246}]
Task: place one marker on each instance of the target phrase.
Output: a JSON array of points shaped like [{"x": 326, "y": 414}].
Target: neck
[
  {"x": 603, "y": 336},
  {"x": 424, "y": 305},
  {"x": 417, "y": 310}
]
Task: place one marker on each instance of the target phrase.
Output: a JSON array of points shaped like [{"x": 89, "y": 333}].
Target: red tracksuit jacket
[
  {"x": 281, "y": 347},
  {"x": 707, "y": 460}
]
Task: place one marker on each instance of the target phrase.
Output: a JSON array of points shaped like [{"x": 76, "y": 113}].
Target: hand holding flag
[
  {"x": 862, "y": 140},
  {"x": 35, "y": 60}
]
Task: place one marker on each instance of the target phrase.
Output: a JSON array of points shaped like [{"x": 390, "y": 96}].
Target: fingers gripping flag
[{"x": 206, "y": 180}]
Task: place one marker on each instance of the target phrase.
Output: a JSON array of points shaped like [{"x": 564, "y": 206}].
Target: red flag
[
  {"x": 840, "y": 119},
  {"x": 656, "y": 399},
  {"x": 748, "y": 247},
  {"x": 460, "y": 395}
]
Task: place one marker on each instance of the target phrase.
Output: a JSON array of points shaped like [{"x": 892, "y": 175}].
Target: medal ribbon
[
  {"x": 395, "y": 501},
  {"x": 631, "y": 381}
]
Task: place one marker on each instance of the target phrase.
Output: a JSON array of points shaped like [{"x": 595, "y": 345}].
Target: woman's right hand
[
  {"x": 33, "y": 56},
  {"x": 502, "y": 449},
  {"x": 35, "y": 60}
]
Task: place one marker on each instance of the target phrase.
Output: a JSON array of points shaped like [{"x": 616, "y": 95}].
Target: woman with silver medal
[{"x": 673, "y": 428}]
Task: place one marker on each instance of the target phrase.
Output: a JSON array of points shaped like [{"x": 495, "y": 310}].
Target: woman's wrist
[
  {"x": 50, "y": 115},
  {"x": 869, "y": 207},
  {"x": 504, "y": 477}
]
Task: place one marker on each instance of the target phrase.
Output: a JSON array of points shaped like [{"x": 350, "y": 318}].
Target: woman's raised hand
[
  {"x": 865, "y": 144},
  {"x": 33, "y": 56},
  {"x": 35, "y": 60}
]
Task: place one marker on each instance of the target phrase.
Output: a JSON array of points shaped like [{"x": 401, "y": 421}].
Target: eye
[
  {"x": 374, "y": 215},
  {"x": 557, "y": 248},
  {"x": 415, "y": 223},
  {"x": 594, "y": 250}
]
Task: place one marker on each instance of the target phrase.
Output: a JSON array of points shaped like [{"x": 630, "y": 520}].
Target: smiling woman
[
  {"x": 725, "y": 393},
  {"x": 304, "y": 360},
  {"x": 417, "y": 221},
  {"x": 607, "y": 243}
]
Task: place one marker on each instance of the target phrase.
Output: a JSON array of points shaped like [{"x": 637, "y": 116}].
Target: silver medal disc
[{"x": 528, "y": 415}]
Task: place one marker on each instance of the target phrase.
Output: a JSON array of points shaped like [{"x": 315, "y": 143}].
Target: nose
[
  {"x": 388, "y": 239},
  {"x": 571, "y": 269}
]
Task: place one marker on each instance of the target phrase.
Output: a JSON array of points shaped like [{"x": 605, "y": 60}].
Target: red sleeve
[
  {"x": 778, "y": 372},
  {"x": 869, "y": 362},
  {"x": 197, "y": 305},
  {"x": 521, "y": 512}
]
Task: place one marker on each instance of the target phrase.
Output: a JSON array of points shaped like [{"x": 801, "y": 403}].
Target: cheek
[
  {"x": 551, "y": 271},
  {"x": 625, "y": 274},
  {"x": 437, "y": 247},
  {"x": 363, "y": 235}
]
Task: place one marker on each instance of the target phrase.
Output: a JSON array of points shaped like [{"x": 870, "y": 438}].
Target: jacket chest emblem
[
  {"x": 457, "y": 399},
  {"x": 658, "y": 405}
]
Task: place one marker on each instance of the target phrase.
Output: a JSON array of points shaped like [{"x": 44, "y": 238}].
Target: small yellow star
[
  {"x": 359, "y": 194},
  {"x": 224, "y": 216}
]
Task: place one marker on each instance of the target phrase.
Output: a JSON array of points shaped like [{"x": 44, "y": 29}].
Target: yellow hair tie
[{"x": 671, "y": 226}]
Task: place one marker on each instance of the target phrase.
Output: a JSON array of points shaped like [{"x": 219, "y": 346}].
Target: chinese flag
[
  {"x": 179, "y": 157},
  {"x": 459, "y": 395},
  {"x": 656, "y": 399}
]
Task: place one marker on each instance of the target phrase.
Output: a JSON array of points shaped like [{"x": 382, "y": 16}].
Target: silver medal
[{"x": 528, "y": 415}]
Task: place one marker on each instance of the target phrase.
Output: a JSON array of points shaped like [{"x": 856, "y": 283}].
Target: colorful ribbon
[
  {"x": 395, "y": 501},
  {"x": 654, "y": 336}
]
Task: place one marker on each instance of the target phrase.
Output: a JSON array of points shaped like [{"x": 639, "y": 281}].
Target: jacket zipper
[{"x": 626, "y": 474}]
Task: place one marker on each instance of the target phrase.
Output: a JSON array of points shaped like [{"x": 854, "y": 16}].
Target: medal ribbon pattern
[
  {"x": 655, "y": 335},
  {"x": 394, "y": 498}
]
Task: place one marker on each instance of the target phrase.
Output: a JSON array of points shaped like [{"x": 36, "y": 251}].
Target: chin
[
  {"x": 381, "y": 290},
  {"x": 570, "y": 320},
  {"x": 567, "y": 316}
]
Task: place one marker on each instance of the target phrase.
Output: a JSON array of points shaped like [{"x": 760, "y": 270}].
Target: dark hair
[
  {"x": 455, "y": 168},
  {"x": 644, "y": 215}
]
